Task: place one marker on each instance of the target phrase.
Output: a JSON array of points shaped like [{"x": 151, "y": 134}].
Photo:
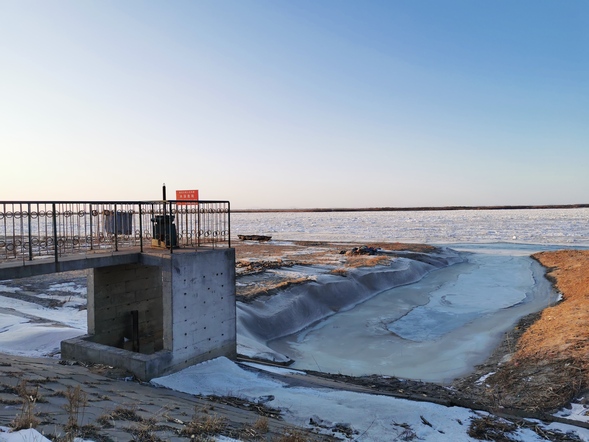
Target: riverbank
[{"x": 550, "y": 363}]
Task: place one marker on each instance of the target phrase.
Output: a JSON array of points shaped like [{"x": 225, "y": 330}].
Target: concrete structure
[{"x": 159, "y": 312}]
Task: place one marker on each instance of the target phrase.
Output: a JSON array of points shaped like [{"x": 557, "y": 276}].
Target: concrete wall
[
  {"x": 187, "y": 300},
  {"x": 113, "y": 293},
  {"x": 200, "y": 318}
]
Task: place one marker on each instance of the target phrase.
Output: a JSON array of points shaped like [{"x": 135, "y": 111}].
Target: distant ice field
[{"x": 519, "y": 226}]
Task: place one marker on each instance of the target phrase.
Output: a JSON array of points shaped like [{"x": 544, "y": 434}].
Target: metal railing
[{"x": 35, "y": 230}]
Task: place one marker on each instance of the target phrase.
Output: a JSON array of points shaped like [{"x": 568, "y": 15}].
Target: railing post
[
  {"x": 140, "y": 229},
  {"x": 116, "y": 230},
  {"x": 91, "y": 233},
  {"x": 198, "y": 225},
  {"x": 55, "y": 233},
  {"x": 170, "y": 230},
  {"x": 30, "y": 234},
  {"x": 228, "y": 224}
]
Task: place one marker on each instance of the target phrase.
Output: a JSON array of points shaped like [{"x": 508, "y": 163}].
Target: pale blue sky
[{"x": 294, "y": 104}]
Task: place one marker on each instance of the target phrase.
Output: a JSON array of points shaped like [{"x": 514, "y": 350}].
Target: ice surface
[
  {"x": 489, "y": 283},
  {"x": 436, "y": 329},
  {"x": 538, "y": 226}
]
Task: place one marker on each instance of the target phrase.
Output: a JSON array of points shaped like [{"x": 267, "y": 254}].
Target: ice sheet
[
  {"x": 527, "y": 226},
  {"x": 426, "y": 330}
]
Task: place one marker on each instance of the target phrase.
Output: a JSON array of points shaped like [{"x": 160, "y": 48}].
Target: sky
[{"x": 296, "y": 104}]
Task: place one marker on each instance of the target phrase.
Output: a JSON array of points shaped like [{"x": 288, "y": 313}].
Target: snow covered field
[
  {"x": 525, "y": 226},
  {"x": 371, "y": 417}
]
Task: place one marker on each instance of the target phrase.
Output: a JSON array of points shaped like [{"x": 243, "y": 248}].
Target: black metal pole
[
  {"x": 116, "y": 230},
  {"x": 30, "y": 233},
  {"x": 55, "y": 233},
  {"x": 91, "y": 227},
  {"x": 140, "y": 229}
]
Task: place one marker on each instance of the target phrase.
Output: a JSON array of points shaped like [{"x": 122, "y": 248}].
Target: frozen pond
[{"x": 436, "y": 329}]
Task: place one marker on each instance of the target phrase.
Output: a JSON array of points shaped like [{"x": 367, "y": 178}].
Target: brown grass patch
[
  {"x": 266, "y": 288},
  {"x": 27, "y": 418},
  {"x": 366, "y": 261},
  {"x": 551, "y": 362},
  {"x": 204, "y": 425}
]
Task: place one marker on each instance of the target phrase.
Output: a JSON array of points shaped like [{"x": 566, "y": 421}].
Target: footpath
[{"x": 101, "y": 404}]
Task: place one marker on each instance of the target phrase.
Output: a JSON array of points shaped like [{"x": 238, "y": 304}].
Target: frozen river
[
  {"x": 436, "y": 329},
  {"x": 442, "y": 326}
]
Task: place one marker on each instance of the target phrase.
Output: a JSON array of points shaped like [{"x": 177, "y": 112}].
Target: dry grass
[
  {"x": 77, "y": 400},
  {"x": 27, "y": 418},
  {"x": 261, "y": 425},
  {"x": 551, "y": 362},
  {"x": 119, "y": 413},
  {"x": 366, "y": 261},
  {"x": 263, "y": 288},
  {"x": 293, "y": 435},
  {"x": 492, "y": 428},
  {"x": 204, "y": 426}
]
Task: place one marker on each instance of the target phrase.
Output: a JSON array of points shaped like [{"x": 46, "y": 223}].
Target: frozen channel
[{"x": 436, "y": 329}]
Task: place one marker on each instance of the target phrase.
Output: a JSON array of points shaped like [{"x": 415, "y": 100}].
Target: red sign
[{"x": 191, "y": 195}]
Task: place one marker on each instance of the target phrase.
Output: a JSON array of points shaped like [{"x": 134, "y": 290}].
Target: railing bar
[
  {"x": 30, "y": 232},
  {"x": 55, "y": 233},
  {"x": 116, "y": 230},
  {"x": 140, "y": 229},
  {"x": 169, "y": 227},
  {"x": 229, "y": 224}
]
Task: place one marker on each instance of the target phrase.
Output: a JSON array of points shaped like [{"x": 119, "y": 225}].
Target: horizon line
[{"x": 415, "y": 209}]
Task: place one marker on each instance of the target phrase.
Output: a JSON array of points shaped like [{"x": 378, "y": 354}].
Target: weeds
[
  {"x": 292, "y": 435},
  {"x": 26, "y": 419},
  {"x": 261, "y": 425},
  {"x": 77, "y": 400},
  {"x": 208, "y": 425},
  {"x": 144, "y": 431},
  {"x": 119, "y": 413},
  {"x": 256, "y": 430},
  {"x": 491, "y": 428}
]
